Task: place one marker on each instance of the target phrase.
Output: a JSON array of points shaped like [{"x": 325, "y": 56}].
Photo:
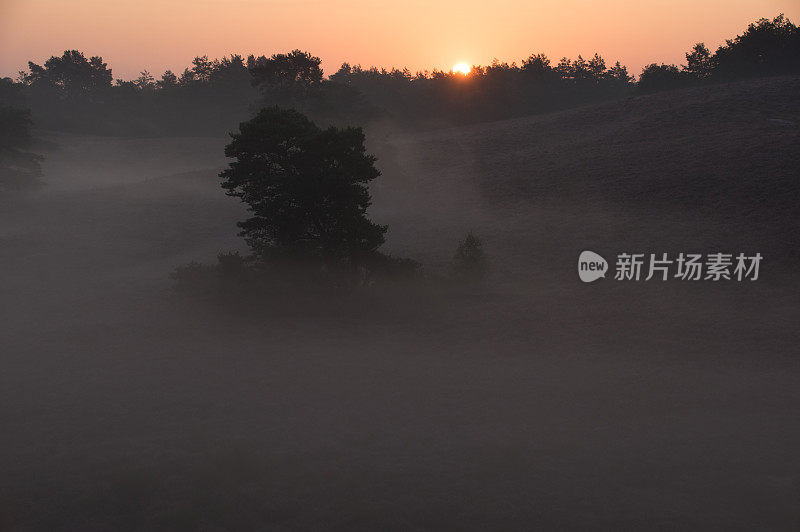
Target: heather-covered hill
[{"x": 716, "y": 166}]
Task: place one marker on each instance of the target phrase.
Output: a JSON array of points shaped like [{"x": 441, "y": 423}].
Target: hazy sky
[{"x": 132, "y": 35}]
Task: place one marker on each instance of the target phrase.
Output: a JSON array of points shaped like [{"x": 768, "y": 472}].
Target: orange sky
[{"x": 419, "y": 34}]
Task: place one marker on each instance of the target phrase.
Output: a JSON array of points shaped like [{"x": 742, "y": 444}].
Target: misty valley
[{"x": 253, "y": 296}]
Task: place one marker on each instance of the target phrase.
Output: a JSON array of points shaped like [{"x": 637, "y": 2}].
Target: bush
[
  {"x": 470, "y": 263},
  {"x": 234, "y": 277},
  {"x": 231, "y": 274},
  {"x": 193, "y": 277}
]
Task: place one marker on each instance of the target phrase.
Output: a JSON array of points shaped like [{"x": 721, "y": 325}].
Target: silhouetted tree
[
  {"x": 699, "y": 62},
  {"x": 230, "y": 71},
  {"x": 187, "y": 78},
  {"x": 296, "y": 67},
  {"x": 19, "y": 168},
  {"x": 70, "y": 75},
  {"x": 145, "y": 81},
  {"x": 306, "y": 189},
  {"x": 202, "y": 68},
  {"x": 596, "y": 68},
  {"x": 11, "y": 94},
  {"x": 766, "y": 48},
  {"x": 295, "y": 81},
  {"x": 470, "y": 262},
  {"x": 168, "y": 80},
  {"x": 537, "y": 65},
  {"x": 565, "y": 69},
  {"x": 619, "y": 74}
]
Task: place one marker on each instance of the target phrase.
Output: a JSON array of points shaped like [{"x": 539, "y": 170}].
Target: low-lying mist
[{"x": 528, "y": 400}]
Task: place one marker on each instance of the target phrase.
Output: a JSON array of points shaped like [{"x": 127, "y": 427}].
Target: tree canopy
[
  {"x": 766, "y": 48},
  {"x": 70, "y": 75},
  {"x": 296, "y": 67},
  {"x": 306, "y": 188}
]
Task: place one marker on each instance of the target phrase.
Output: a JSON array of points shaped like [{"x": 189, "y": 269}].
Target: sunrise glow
[
  {"x": 432, "y": 35},
  {"x": 462, "y": 68}
]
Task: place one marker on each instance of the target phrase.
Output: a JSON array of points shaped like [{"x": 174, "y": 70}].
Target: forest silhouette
[{"x": 76, "y": 93}]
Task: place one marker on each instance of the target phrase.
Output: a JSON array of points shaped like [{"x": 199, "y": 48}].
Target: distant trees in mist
[
  {"x": 19, "y": 167},
  {"x": 470, "y": 263},
  {"x": 68, "y": 76},
  {"x": 73, "y": 92},
  {"x": 499, "y": 90}
]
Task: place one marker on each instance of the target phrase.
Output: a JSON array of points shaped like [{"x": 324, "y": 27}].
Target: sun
[{"x": 462, "y": 68}]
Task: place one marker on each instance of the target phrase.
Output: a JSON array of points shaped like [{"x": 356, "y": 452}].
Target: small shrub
[
  {"x": 193, "y": 277},
  {"x": 470, "y": 263},
  {"x": 232, "y": 267},
  {"x": 388, "y": 268}
]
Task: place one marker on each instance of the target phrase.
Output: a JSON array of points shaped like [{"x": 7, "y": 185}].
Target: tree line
[
  {"x": 76, "y": 92},
  {"x": 72, "y": 92},
  {"x": 79, "y": 93},
  {"x": 766, "y": 48}
]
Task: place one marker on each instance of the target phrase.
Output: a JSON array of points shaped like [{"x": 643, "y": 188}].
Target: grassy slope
[{"x": 708, "y": 166}]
